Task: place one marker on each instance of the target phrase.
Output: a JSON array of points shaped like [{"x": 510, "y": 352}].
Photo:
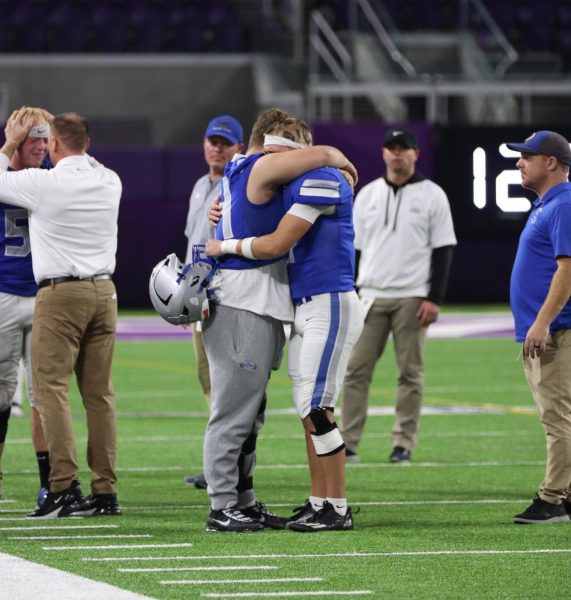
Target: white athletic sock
[
  {"x": 316, "y": 502},
  {"x": 339, "y": 504}
]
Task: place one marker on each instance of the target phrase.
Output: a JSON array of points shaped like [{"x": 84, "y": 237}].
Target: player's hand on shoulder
[
  {"x": 352, "y": 171},
  {"x": 348, "y": 178},
  {"x": 215, "y": 212}
]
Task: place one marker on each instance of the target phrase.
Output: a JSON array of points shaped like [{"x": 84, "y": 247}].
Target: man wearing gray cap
[
  {"x": 222, "y": 139},
  {"x": 405, "y": 237},
  {"x": 540, "y": 290}
]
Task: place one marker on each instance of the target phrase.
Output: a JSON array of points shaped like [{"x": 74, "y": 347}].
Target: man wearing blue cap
[
  {"x": 222, "y": 139},
  {"x": 540, "y": 291}
]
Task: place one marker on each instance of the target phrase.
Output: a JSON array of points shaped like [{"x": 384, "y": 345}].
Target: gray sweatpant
[{"x": 242, "y": 349}]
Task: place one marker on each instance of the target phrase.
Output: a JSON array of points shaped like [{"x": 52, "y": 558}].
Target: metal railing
[
  {"x": 381, "y": 33},
  {"x": 437, "y": 94},
  {"x": 510, "y": 54}
]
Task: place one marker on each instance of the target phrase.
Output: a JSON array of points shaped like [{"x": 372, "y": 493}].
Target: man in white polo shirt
[
  {"x": 73, "y": 211},
  {"x": 404, "y": 237}
]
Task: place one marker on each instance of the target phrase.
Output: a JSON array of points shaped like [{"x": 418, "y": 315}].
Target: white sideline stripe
[
  {"x": 116, "y": 547},
  {"x": 276, "y": 505},
  {"x": 295, "y": 436},
  {"x": 352, "y": 465},
  {"x": 217, "y": 557},
  {"x": 22, "y": 579},
  {"x": 355, "y": 502},
  {"x": 7, "y": 501},
  {"x": 328, "y": 593},
  {"x": 34, "y": 527},
  {"x": 79, "y": 537},
  {"x": 173, "y": 569},
  {"x": 237, "y": 581}
]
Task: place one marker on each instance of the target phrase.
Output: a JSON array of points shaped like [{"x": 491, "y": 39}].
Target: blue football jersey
[
  {"x": 323, "y": 260},
  {"x": 242, "y": 219},
  {"x": 16, "y": 273}
]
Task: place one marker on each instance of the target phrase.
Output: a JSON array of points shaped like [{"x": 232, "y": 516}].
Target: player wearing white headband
[
  {"x": 18, "y": 295},
  {"x": 244, "y": 336},
  {"x": 317, "y": 231}
]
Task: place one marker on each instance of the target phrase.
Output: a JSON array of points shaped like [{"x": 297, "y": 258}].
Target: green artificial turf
[{"x": 439, "y": 528}]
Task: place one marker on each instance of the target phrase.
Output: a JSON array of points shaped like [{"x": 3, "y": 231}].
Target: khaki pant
[
  {"x": 549, "y": 378},
  {"x": 386, "y": 315},
  {"x": 74, "y": 330},
  {"x": 201, "y": 363}
]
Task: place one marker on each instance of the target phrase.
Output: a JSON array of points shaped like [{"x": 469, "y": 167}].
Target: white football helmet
[{"x": 179, "y": 292}]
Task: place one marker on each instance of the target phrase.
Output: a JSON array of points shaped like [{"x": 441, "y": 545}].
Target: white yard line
[
  {"x": 42, "y": 527},
  {"x": 116, "y": 547},
  {"x": 328, "y": 593},
  {"x": 22, "y": 580},
  {"x": 295, "y": 436},
  {"x": 352, "y": 465},
  {"x": 80, "y": 537},
  {"x": 217, "y": 557},
  {"x": 205, "y": 505},
  {"x": 353, "y": 501},
  {"x": 175, "y": 569},
  {"x": 238, "y": 581}
]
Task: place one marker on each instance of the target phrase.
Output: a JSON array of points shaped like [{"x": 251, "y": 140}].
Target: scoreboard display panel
[{"x": 478, "y": 173}]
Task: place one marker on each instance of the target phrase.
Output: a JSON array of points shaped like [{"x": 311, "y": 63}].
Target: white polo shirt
[
  {"x": 73, "y": 210},
  {"x": 396, "y": 234}
]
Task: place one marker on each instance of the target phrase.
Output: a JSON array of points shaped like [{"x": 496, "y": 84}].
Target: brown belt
[{"x": 56, "y": 280}]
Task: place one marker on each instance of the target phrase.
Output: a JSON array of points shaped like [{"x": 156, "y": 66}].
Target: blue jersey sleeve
[
  {"x": 560, "y": 228},
  {"x": 320, "y": 187}
]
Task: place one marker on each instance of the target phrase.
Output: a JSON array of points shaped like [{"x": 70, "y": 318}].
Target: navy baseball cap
[
  {"x": 227, "y": 127},
  {"x": 400, "y": 136},
  {"x": 548, "y": 143}
]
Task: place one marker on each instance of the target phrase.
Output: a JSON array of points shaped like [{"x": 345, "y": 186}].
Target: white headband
[
  {"x": 39, "y": 131},
  {"x": 277, "y": 140}
]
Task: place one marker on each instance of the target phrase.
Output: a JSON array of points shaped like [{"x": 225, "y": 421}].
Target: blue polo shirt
[{"x": 545, "y": 237}]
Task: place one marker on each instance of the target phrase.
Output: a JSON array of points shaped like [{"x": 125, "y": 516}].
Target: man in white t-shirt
[{"x": 404, "y": 237}]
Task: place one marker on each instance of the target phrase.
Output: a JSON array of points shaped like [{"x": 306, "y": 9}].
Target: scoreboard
[{"x": 478, "y": 173}]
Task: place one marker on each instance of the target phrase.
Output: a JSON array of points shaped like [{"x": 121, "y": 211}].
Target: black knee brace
[{"x": 4, "y": 418}]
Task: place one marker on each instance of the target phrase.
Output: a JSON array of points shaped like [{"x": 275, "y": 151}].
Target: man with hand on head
[
  {"x": 222, "y": 140},
  {"x": 18, "y": 295},
  {"x": 540, "y": 291},
  {"x": 73, "y": 211}
]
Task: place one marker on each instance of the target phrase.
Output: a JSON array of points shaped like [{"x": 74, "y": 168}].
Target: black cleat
[
  {"x": 93, "y": 506},
  {"x": 567, "y": 506},
  {"x": 55, "y": 502},
  {"x": 326, "y": 519},
  {"x": 198, "y": 481},
  {"x": 258, "y": 513},
  {"x": 400, "y": 454},
  {"x": 540, "y": 512},
  {"x": 302, "y": 513},
  {"x": 231, "y": 519}
]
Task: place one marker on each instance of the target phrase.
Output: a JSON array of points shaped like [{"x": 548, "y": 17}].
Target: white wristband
[
  {"x": 247, "y": 248},
  {"x": 229, "y": 247}
]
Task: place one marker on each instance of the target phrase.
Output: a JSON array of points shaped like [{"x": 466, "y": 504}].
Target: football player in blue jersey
[
  {"x": 18, "y": 294},
  {"x": 317, "y": 231},
  {"x": 244, "y": 337}
]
